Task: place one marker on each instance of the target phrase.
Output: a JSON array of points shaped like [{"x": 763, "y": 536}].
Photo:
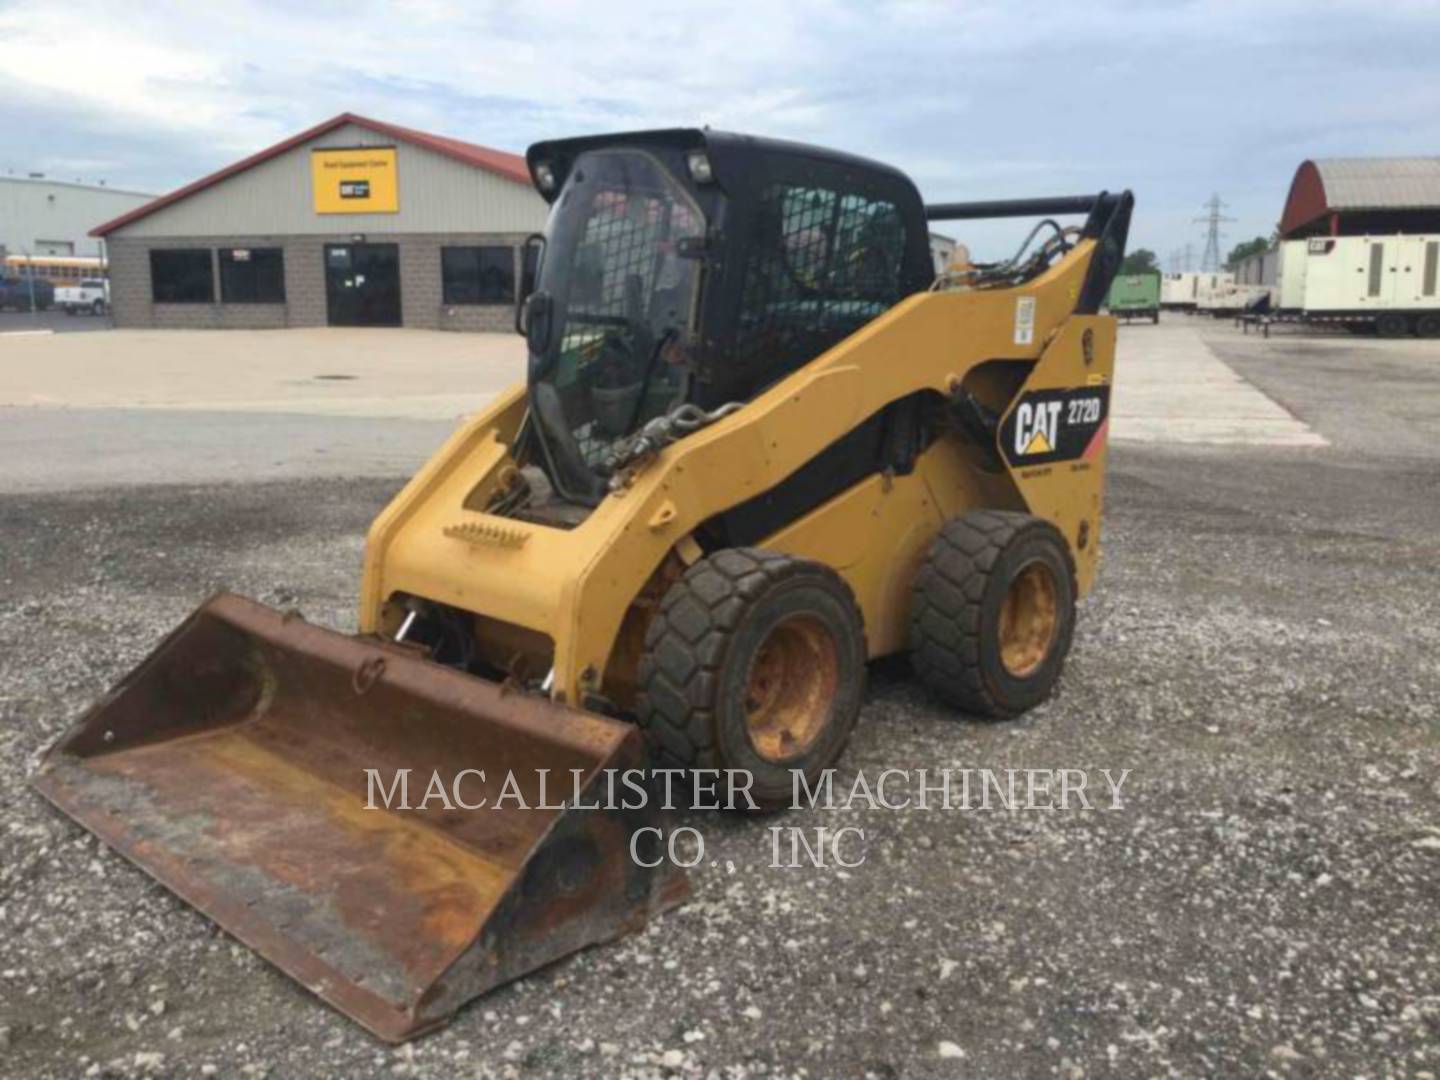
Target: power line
[
  {"x": 1181, "y": 259},
  {"x": 1212, "y": 221}
]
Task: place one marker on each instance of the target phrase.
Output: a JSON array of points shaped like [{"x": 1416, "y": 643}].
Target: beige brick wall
[
  {"x": 305, "y": 304},
  {"x": 421, "y": 285}
]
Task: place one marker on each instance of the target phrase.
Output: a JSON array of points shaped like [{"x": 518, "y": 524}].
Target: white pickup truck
[{"x": 90, "y": 297}]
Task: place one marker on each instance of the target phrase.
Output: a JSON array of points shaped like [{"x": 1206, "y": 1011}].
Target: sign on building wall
[{"x": 356, "y": 181}]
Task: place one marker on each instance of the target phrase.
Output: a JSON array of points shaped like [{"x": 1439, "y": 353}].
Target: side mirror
[
  {"x": 530, "y": 253},
  {"x": 538, "y": 318}
]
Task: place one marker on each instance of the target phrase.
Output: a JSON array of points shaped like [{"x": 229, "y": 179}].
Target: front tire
[
  {"x": 755, "y": 661},
  {"x": 993, "y": 612}
]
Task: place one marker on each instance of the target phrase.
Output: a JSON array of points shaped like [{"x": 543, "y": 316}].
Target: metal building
[
  {"x": 40, "y": 216},
  {"x": 942, "y": 250},
  {"x": 1360, "y": 196},
  {"x": 354, "y": 222}
]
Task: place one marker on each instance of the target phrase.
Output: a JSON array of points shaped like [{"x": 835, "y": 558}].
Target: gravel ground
[{"x": 1261, "y": 652}]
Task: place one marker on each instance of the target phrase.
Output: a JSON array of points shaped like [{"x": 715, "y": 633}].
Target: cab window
[{"x": 823, "y": 263}]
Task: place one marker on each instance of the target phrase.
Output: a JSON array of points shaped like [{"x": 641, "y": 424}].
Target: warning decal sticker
[
  {"x": 1055, "y": 425},
  {"x": 1025, "y": 320}
]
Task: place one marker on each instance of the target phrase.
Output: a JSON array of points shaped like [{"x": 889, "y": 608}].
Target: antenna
[{"x": 1212, "y": 220}]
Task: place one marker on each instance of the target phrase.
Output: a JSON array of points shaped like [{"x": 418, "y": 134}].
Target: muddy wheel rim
[
  {"x": 1028, "y": 620},
  {"x": 790, "y": 688}
]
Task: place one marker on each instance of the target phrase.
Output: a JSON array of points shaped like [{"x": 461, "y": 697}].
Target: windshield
[{"x": 622, "y": 271}]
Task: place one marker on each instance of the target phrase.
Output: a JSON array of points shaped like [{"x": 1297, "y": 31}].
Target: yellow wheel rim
[
  {"x": 790, "y": 688},
  {"x": 1028, "y": 620}
]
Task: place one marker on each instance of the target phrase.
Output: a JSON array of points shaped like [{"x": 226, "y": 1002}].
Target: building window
[
  {"x": 252, "y": 276},
  {"x": 182, "y": 276},
  {"x": 478, "y": 275}
]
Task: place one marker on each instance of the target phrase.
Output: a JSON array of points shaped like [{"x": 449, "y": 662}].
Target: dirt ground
[{"x": 1262, "y": 651}]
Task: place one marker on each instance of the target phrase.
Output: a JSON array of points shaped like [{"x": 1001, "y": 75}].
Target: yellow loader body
[{"x": 576, "y": 586}]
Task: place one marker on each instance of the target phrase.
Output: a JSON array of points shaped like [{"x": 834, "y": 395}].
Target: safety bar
[{"x": 1000, "y": 208}]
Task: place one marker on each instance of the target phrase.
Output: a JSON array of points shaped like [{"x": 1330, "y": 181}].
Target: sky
[{"x": 975, "y": 100}]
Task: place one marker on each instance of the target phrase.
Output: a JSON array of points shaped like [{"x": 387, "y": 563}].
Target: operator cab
[{"x": 691, "y": 267}]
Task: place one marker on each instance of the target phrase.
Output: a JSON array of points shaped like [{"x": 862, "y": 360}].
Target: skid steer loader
[{"x": 761, "y": 442}]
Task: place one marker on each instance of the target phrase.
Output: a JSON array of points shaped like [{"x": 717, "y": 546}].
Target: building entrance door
[{"x": 362, "y": 284}]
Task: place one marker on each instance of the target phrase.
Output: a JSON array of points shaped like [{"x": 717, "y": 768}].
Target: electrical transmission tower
[
  {"x": 1212, "y": 221},
  {"x": 1181, "y": 258}
]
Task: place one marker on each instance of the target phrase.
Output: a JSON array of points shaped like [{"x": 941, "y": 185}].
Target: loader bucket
[{"x": 231, "y": 766}]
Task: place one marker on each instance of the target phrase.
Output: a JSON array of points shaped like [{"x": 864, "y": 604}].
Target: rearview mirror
[
  {"x": 538, "y": 316},
  {"x": 530, "y": 253}
]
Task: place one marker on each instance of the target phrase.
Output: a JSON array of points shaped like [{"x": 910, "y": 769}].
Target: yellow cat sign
[{"x": 360, "y": 180}]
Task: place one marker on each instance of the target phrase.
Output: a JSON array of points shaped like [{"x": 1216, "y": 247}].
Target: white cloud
[{"x": 977, "y": 99}]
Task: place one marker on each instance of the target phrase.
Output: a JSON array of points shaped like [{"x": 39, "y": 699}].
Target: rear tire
[
  {"x": 755, "y": 661},
  {"x": 1392, "y": 326},
  {"x": 97, "y": 308},
  {"x": 993, "y": 612},
  {"x": 1428, "y": 326}
]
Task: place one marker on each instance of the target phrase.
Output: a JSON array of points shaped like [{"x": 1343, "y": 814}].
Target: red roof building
[
  {"x": 1360, "y": 196},
  {"x": 354, "y": 221}
]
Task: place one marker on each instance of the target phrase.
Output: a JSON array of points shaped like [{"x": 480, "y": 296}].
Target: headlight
[
  {"x": 544, "y": 176},
  {"x": 699, "y": 165}
]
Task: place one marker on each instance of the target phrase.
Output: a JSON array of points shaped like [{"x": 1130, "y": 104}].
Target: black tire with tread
[
  {"x": 698, "y": 648},
  {"x": 954, "y": 615},
  {"x": 1392, "y": 325}
]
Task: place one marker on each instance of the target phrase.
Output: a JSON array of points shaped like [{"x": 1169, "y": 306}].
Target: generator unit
[
  {"x": 1182, "y": 291},
  {"x": 1290, "y": 277},
  {"x": 1388, "y": 282},
  {"x": 1233, "y": 299},
  {"x": 1135, "y": 296}
]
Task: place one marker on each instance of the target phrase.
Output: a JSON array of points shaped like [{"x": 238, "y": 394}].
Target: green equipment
[{"x": 1135, "y": 296}]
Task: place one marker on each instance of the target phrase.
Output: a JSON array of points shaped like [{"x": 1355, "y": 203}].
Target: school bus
[{"x": 56, "y": 269}]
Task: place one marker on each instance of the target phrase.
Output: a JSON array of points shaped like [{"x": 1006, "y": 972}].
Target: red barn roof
[
  {"x": 1346, "y": 185},
  {"x": 506, "y": 165}
]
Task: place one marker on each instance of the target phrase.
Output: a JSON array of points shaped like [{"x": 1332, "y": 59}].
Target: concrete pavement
[
  {"x": 1170, "y": 387},
  {"x": 417, "y": 374},
  {"x": 139, "y": 407}
]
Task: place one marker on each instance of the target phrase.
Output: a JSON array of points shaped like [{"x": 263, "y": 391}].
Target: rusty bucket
[{"x": 232, "y": 766}]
